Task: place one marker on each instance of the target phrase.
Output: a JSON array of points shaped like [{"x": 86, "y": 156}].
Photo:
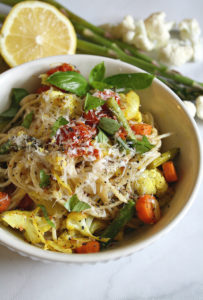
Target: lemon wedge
[{"x": 33, "y": 30}]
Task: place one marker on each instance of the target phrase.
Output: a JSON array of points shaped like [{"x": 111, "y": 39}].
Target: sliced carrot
[
  {"x": 169, "y": 171},
  {"x": 148, "y": 209},
  {"x": 4, "y": 201},
  {"x": 142, "y": 129},
  {"x": 89, "y": 247}
]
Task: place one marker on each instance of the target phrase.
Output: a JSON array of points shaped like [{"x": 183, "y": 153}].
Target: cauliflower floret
[
  {"x": 151, "y": 182},
  {"x": 176, "y": 53},
  {"x": 199, "y": 106},
  {"x": 141, "y": 39},
  {"x": 130, "y": 104},
  {"x": 157, "y": 29},
  {"x": 191, "y": 109},
  {"x": 190, "y": 31}
]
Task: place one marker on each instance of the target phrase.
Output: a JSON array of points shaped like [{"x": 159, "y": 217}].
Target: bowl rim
[{"x": 33, "y": 252}]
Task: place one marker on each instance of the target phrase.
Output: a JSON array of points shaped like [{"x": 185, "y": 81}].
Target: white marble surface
[{"x": 172, "y": 268}]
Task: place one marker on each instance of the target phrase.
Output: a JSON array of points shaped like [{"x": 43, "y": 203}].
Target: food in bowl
[{"x": 80, "y": 164}]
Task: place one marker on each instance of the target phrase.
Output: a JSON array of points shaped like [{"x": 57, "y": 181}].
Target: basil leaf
[
  {"x": 5, "y": 147},
  {"x": 44, "y": 179},
  {"x": 59, "y": 122},
  {"x": 92, "y": 102},
  {"x": 74, "y": 204},
  {"x": 108, "y": 125},
  {"x": 99, "y": 85},
  {"x": 97, "y": 73},
  {"x": 101, "y": 137},
  {"x": 143, "y": 145},
  {"x": 135, "y": 81},
  {"x": 43, "y": 208},
  {"x": 17, "y": 95},
  {"x": 28, "y": 120},
  {"x": 69, "y": 81}
]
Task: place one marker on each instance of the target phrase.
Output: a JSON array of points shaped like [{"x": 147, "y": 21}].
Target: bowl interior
[{"x": 169, "y": 115}]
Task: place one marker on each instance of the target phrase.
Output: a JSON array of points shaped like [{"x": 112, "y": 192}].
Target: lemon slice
[{"x": 33, "y": 30}]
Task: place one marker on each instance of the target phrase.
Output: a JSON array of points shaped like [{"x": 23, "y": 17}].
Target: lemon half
[{"x": 33, "y": 30}]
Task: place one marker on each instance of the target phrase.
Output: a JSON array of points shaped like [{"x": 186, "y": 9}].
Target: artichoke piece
[
  {"x": 33, "y": 226},
  {"x": 83, "y": 224}
]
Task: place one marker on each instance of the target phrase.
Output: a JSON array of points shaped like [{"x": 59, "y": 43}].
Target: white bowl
[{"x": 169, "y": 114}]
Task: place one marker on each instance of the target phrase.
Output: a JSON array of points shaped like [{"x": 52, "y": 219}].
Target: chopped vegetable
[
  {"x": 28, "y": 120},
  {"x": 69, "y": 81},
  {"x": 123, "y": 217},
  {"x": 151, "y": 182},
  {"x": 4, "y": 201},
  {"x": 164, "y": 157},
  {"x": 33, "y": 226},
  {"x": 101, "y": 137},
  {"x": 114, "y": 107},
  {"x": 148, "y": 209},
  {"x": 89, "y": 247},
  {"x": 44, "y": 179},
  {"x": 169, "y": 171},
  {"x": 74, "y": 204},
  {"x": 43, "y": 208},
  {"x": 60, "y": 122},
  {"x": 142, "y": 129},
  {"x": 4, "y": 148},
  {"x": 130, "y": 104},
  {"x": 110, "y": 126},
  {"x": 92, "y": 102},
  {"x": 62, "y": 68}
]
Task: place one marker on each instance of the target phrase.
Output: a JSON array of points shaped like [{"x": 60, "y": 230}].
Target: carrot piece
[
  {"x": 4, "y": 201},
  {"x": 89, "y": 247},
  {"x": 142, "y": 129},
  {"x": 148, "y": 209},
  {"x": 169, "y": 171}
]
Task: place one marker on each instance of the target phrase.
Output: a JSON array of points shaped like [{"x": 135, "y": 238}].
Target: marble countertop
[{"x": 172, "y": 268}]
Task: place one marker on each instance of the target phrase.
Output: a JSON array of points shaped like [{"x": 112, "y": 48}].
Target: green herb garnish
[
  {"x": 44, "y": 179},
  {"x": 74, "y": 204},
  {"x": 97, "y": 73},
  {"x": 143, "y": 145},
  {"x": 28, "y": 120},
  {"x": 17, "y": 95},
  {"x": 101, "y": 137},
  {"x": 108, "y": 125},
  {"x": 69, "y": 81},
  {"x": 92, "y": 102},
  {"x": 43, "y": 208},
  {"x": 60, "y": 122},
  {"x": 135, "y": 81}
]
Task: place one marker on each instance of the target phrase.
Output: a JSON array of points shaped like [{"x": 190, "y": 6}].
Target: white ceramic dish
[{"x": 170, "y": 116}]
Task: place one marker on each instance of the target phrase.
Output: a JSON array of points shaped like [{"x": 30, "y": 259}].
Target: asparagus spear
[
  {"x": 164, "y": 157},
  {"x": 124, "y": 216},
  {"x": 115, "y": 108},
  {"x": 139, "y": 62}
]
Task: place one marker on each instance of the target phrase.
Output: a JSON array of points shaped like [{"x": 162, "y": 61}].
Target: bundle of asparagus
[{"x": 95, "y": 40}]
